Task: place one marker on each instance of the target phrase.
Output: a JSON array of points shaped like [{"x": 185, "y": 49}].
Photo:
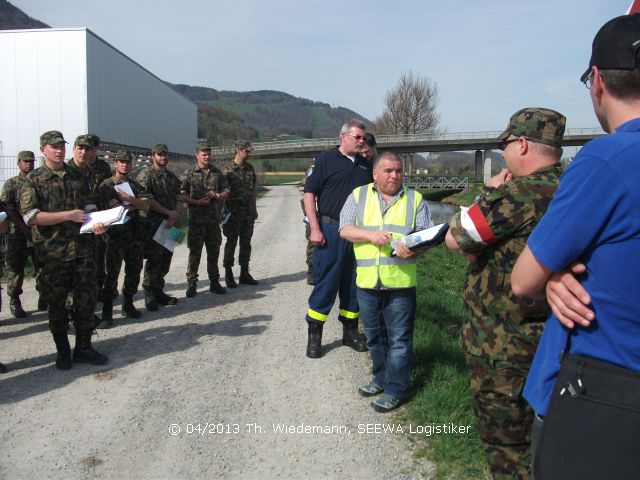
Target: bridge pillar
[
  {"x": 478, "y": 169},
  {"x": 487, "y": 164}
]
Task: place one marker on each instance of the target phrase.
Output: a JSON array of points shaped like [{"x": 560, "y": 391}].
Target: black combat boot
[
  {"x": 164, "y": 299},
  {"x": 309, "y": 276},
  {"x": 215, "y": 287},
  {"x": 63, "y": 358},
  {"x": 150, "y": 301},
  {"x": 3, "y": 368},
  {"x": 107, "y": 313},
  {"x": 129, "y": 309},
  {"x": 42, "y": 304},
  {"x": 245, "y": 276},
  {"x": 228, "y": 278},
  {"x": 192, "y": 289},
  {"x": 314, "y": 340},
  {"x": 16, "y": 308},
  {"x": 84, "y": 352},
  {"x": 352, "y": 338}
]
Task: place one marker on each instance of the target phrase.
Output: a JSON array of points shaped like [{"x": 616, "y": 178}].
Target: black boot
[
  {"x": 309, "y": 276},
  {"x": 228, "y": 278},
  {"x": 215, "y": 287},
  {"x": 150, "y": 301},
  {"x": 42, "y": 304},
  {"x": 3, "y": 368},
  {"x": 16, "y": 308},
  {"x": 129, "y": 309},
  {"x": 245, "y": 276},
  {"x": 192, "y": 289},
  {"x": 352, "y": 338},
  {"x": 164, "y": 299},
  {"x": 314, "y": 340},
  {"x": 84, "y": 352},
  {"x": 107, "y": 313},
  {"x": 63, "y": 358}
]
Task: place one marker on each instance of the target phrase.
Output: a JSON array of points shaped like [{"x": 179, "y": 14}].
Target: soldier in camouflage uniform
[
  {"x": 242, "y": 204},
  {"x": 124, "y": 242},
  {"x": 502, "y": 332},
  {"x": 4, "y": 228},
  {"x": 204, "y": 188},
  {"x": 85, "y": 159},
  {"x": 19, "y": 245},
  {"x": 53, "y": 201},
  {"x": 164, "y": 190}
]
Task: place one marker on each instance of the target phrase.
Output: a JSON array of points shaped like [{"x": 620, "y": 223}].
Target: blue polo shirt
[
  {"x": 594, "y": 218},
  {"x": 333, "y": 178}
]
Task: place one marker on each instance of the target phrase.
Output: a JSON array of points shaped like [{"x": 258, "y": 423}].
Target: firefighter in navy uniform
[{"x": 335, "y": 175}]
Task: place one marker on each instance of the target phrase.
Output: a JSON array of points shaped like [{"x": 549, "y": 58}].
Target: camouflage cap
[
  {"x": 95, "y": 139},
  {"x": 539, "y": 124},
  {"x": 123, "y": 156},
  {"x": 26, "y": 155},
  {"x": 84, "y": 141},
  {"x": 243, "y": 145},
  {"x": 52, "y": 137},
  {"x": 159, "y": 148},
  {"x": 203, "y": 146}
]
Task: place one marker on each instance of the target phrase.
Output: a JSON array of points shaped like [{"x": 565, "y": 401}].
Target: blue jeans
[{"x": 388, "y": 317}]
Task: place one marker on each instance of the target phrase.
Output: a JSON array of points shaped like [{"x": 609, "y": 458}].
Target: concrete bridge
[{"x": 409, "y": 143}]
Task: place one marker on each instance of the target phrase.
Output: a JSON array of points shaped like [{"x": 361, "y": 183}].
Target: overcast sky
[{"x": 488, "y": 58}]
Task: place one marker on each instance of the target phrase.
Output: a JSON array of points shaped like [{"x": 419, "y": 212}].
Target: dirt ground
[{"x": 217, "y": 386}]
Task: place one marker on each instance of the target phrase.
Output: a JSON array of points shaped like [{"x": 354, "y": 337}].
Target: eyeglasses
[
  {"x": 357, "y": 137},
  {"x": 589, "y": 80},
  {"x": 503, "y": 144}
]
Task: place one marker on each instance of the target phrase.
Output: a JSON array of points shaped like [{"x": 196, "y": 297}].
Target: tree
[{"x": 410, "y": 107}]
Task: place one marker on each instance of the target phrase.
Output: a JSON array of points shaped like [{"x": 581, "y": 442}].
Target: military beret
[
  {"x": 26, "y": 155},
  {"x": 203, "y": 146},
  {"x": 52, "y": 137},
  {"x": 159, "y": 148},
  {"x": 243, "y": 145},
  {"x": 538, "y": 124},
  {"x": 84, "y": 141},
  {"x": 123, "y": 156}
]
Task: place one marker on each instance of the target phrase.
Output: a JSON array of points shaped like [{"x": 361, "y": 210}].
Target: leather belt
[{"x": 329, "y": 220}]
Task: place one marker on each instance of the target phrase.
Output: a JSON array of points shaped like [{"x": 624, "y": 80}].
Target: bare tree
[{"x": 410, "y": 107}]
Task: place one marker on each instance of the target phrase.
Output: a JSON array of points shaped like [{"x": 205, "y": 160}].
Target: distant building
[{"x": 73, "y": 81}]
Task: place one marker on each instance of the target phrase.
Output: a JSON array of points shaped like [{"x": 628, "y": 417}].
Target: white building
[{"x": 73, "y": 81}]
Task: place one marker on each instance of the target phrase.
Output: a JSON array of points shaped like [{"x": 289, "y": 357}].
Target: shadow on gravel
[
  {"x": 37, "y": 325},
  {"x": 122, "y": 351}
]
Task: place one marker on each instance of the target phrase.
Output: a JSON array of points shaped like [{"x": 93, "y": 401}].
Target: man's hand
[
  {"x": 204, "y": 200},
  {"x": 99, "y": 229},
  {"x": 499, "y": 179},
  {"x": 378, "y": 237},
  {"x": 568, "y": 299},
  {"x": 77, "y": 216},
  {"x": 172, "y": 216},
  {"x": 317, "y": 237},
  {"x": 123, "y": 196},
  {"x": 404, "y": 252}
]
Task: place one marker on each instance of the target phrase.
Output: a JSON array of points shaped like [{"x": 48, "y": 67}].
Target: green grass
[
  {"x": 440, "y": 378},
  {"x": 280, "y": 179}
]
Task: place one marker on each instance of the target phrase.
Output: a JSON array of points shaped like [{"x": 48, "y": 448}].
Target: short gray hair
[
  {"x": 385, "y": 156},
  {"x": 352, "y": 124}
]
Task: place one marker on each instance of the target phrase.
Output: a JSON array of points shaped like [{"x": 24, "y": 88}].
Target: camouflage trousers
[
  {"x": 16, "y": 259},
  {"x": 307, "y": 234},
  {"x": 208, "y": 235},
  {"x": 100, "y": 251},
  {"x": 158, "y": 260},
  {"x": 122, "y": 246},
  {"x": 238, "y": 227},
  {"x": 77, "y": 278},
  {"x": 504, "y": 417}
]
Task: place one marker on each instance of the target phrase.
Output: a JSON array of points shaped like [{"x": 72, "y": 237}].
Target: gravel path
[{"x": 198, "y": 390}]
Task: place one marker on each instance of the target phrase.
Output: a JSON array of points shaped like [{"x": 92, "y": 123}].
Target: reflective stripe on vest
[{"x": 374, "y": 264}]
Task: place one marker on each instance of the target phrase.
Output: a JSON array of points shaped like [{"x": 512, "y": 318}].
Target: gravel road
[{"x": 203, "y": 389}]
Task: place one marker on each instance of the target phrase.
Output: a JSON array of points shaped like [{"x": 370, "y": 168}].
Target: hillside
[
  {"x": 12, "y": 18},
  {"x": 263, "y": 115}
]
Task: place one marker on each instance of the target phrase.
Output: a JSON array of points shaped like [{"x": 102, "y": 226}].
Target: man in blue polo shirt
[
  {"x": 594, "y": 220},
  {"x": 334, "y": 176}
]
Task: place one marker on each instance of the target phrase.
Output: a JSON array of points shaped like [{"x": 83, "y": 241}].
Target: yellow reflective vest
[{"x": 375, "y": 267}]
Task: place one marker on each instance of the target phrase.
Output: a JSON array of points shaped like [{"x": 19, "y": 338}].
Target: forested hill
[
  {"x": 12, "y": 18},
  {"x": 263, "y": 115}
]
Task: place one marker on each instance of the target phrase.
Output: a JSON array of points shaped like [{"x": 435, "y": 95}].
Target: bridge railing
[
  {"x": 386, "y": 139},
  {"x": 450, "y": 182}
]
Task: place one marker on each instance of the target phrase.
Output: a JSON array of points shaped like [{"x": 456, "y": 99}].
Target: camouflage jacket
[
  {"x": 95, "y": 174},
  {"x": 61, "y": 190},
  {"x": 195, "y": 183},
  {"x": 11, "y": 197},
  {"x": 163, "y": 186},
  {"x": 242, "y": 182},
  {"x": 109, "y": 199},
  {"x": 502, "y": 326}
]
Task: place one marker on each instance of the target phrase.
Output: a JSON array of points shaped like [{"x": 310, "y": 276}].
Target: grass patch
[
  {"x": 271, "y": 180},
  {"x": 465, "y": 197},
  {"x": 440, "y": 378}
]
